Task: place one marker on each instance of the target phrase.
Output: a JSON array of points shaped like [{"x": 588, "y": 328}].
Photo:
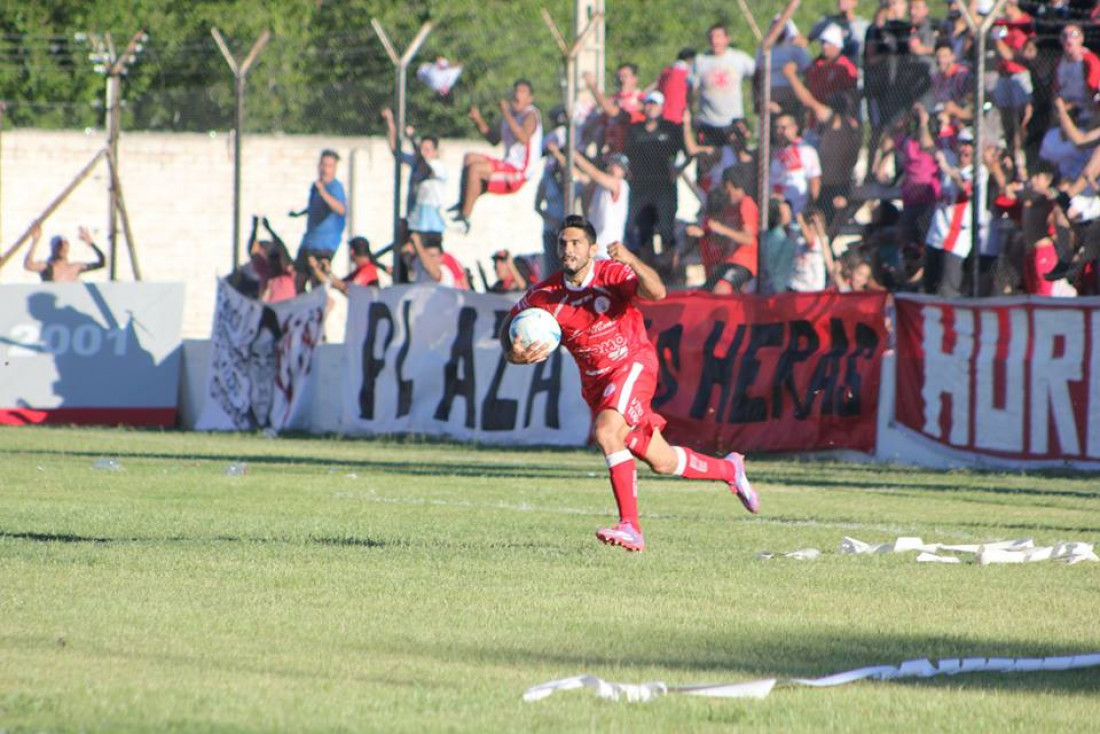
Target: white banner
[
  {"x": 261, "y": 361},
  {"x": 425, "y": 359}
]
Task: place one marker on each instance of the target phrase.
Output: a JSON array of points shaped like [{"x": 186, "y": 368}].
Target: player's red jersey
[{"x": 600, "y": 325}]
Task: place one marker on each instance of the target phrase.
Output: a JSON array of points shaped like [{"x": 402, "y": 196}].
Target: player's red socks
[
  {"x": 692, "y": 465},
  {"x": 624, "y": 483}
]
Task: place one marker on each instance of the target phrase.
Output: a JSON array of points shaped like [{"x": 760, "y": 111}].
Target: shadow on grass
[
  {"x": 530, "y": 470},
  {"x": 327, "y": 541}
]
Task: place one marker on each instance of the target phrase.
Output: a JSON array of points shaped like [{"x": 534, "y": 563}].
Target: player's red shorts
[
  {"x": 505, "y": 178},
  {"x": 627, "y": 390}
]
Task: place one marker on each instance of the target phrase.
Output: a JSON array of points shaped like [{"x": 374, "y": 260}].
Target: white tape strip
[
  {"x": 924, "y": 668},
  {"x": 1002, "y": 551}
]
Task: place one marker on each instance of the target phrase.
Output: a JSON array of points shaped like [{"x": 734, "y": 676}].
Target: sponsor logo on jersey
[{"x": 602, "y": 304}]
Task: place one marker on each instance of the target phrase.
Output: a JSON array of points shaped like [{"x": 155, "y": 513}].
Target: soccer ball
[{"x": 535, "y": 325}]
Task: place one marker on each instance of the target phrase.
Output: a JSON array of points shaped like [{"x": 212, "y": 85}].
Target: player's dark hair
[
  {"x": 579, "y": 222},
  {"x": 330, "y": 153},
  {"x": 738, "y": 177}
]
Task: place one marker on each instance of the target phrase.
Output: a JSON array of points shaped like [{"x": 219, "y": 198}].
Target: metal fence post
[{"x": 240, "y": 72}]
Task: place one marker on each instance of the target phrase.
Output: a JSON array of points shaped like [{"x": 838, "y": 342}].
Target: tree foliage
[{"x": 324, "y": 70}]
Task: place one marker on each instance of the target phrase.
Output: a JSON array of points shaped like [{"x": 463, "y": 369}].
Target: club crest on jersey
[
  {"x": 601, "y": 304},
  {"x": 609, "y": 389}
]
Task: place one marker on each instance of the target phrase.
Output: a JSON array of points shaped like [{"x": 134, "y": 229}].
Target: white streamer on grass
[{"x": 922, "y": 668}]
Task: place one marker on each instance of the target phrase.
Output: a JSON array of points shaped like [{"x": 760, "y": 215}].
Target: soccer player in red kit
[{"x": 593, "y": 302}]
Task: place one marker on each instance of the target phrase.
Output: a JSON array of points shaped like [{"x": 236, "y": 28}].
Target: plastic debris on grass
[
  {"x": 107, "y": 464},
  {"x": 1002, "y": 551},
  {"x": 921, "y": 668}
]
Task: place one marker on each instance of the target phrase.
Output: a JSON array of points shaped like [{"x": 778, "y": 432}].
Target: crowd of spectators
[{"x": 873, "y": 168}]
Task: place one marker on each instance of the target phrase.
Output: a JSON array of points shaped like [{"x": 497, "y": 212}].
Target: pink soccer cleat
[
  {"x": 740, "y": 485},
  {"x": 624, "y": 535}
]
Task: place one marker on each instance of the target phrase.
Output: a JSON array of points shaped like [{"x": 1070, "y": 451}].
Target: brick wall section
[{"x": 179, "y": 193}]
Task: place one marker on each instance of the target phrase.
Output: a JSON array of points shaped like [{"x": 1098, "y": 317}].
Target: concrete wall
[{"x": 179, "y": 192}]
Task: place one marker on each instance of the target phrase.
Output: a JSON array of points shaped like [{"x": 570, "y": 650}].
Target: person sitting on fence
[
  {"x": 609, "y": 195},
  {"x": 57, "y": 268},
  {"x": 327, "y": 211},
  {"x": 427, "y": 178},
  {"x": 430, "y": 264},
  {"x": 521, "y": 133}
]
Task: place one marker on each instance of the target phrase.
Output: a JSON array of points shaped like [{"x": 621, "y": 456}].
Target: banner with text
[
  {"x": 90, "y": 353},
  {"x": 425, "y": 359},
  {"x": 261, "y": 361},
  {"x": 1014, "y": 379},
  {"x": 792, "y": 372}
]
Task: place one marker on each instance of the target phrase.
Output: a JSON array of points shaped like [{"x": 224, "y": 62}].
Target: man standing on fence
[
  {"x": 521, "y": 133},
  {"x": 327, "y": 211}
]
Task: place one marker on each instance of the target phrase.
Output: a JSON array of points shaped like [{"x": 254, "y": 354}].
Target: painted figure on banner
[
  {"x": 595, "y": 303},
  {"x": 262, "y": 356}
]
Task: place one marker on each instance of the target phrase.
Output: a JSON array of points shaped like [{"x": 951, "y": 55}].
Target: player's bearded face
[{"x": 574, "y": 250}]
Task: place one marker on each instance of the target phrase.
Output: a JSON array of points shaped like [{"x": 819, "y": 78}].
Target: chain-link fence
[{"x": 877, "y": 118}]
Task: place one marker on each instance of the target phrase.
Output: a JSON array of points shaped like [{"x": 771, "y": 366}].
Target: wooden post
[
  {"x": 569, "y": 56},
  {"x": 52, "y": 206}
]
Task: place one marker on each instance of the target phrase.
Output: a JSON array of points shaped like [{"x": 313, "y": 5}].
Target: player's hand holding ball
[{"x": 534, "y": 334}]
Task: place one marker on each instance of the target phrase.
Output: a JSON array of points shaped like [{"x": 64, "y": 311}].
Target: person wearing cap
[
  {"x": 949, "y": 236},
  {"x": 853, "y": 29},
  {"x": 651, "y": 149},
  {"x": 57, "y": 268},
  {"x": 609, "y": 195},
  {"x": 832, "y": 71},
  {"x": 509, "y": 278}
]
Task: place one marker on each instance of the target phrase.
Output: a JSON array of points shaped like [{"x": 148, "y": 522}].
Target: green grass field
[{"x": 403, "y": 586}]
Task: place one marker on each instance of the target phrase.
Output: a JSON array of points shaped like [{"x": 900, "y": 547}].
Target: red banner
[
  {"x": 793, "y": 372},
  {"x": 1008, "y": 377}
]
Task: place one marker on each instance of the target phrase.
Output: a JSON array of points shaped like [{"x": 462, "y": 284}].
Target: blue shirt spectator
[{"x": 327, "y": 209}]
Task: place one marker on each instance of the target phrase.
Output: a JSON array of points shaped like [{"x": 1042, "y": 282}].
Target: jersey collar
[{"x": 585, "y": 283}]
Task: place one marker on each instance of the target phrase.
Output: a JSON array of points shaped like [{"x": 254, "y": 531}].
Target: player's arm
[
  {"x": 650, "y": 286},
  {"x": 515, "y": 352},
  {"x": 29, "y": 263}
]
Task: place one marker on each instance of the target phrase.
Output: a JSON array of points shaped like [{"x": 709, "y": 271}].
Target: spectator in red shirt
[
  {"x": 832, "y": 71},
  {"x": 621, "y": 109},
  {"x": 738, "y": 228},
  {"x": 365, "y": 273},
  {"x": 674, "y": 82}
]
